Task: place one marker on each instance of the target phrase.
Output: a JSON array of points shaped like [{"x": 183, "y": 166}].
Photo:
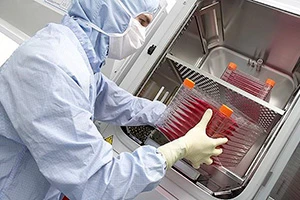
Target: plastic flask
[
  {"x": 179, "y": 117},
  {"x": 266, "y": 90},
  {"x": 219, "y": 125},
  {"x": 241, "y": 80},
  {"x": 224, "y": 124},
  {"x": 247, "y": 82},
  {"x": 186, "y": 110},
  {"x": 229, "y": 71}
]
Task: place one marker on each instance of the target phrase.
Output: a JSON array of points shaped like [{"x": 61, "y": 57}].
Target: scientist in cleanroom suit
[{"x": 51, "y": 90}]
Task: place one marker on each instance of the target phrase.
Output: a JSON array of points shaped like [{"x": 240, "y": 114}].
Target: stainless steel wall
[{"x": 261, "y": 32}]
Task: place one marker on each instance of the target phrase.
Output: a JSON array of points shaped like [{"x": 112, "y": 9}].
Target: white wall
[
  {"x": 292, "y": 6},
  {"x": 7, "y": 46},
  {"x": 27, "y": 15}
]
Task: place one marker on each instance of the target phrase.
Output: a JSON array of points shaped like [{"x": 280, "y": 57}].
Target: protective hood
[{"x": 110, "y": 16}]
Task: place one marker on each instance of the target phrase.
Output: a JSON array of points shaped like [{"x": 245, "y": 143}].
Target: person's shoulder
[
  {"x": 52, "y": 35},
  {"x": 53, "y": 29},
  {"x": 50, "y": 40}
]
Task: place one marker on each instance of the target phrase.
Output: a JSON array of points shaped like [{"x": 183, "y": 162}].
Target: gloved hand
[{"x": 195, "y": 145}]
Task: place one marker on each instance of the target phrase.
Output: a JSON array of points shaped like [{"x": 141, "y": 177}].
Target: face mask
[{"x": 124, "y": 44}]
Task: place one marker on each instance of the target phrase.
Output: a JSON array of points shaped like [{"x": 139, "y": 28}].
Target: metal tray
[{"x": 216, "y": 63}]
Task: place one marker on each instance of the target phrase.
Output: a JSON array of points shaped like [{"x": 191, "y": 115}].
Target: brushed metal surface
[
  {"x": 259, "y": 31},
  {"x": 218, "y": 59}
]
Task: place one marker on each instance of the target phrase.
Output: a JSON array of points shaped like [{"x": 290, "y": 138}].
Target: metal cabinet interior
[{"x": 214, "y": 34}]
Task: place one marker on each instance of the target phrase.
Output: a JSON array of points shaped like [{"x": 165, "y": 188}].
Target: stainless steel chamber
[{"x": 198, "y": 42}]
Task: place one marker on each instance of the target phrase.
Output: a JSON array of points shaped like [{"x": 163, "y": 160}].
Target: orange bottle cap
[
  {"x": 232, "y": 66},
  {"x": 226, "y": 110},
  {"x": 270, "y": 82},
  {"x": 188, "y": 83}
]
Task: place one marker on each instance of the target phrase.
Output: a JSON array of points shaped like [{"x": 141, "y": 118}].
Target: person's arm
[
  {"x": 117, "y": 106},
  {"x": 51, "y": 115}
]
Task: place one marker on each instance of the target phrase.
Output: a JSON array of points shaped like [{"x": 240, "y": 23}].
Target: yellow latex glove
[{"x": 195, "y": 145}]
